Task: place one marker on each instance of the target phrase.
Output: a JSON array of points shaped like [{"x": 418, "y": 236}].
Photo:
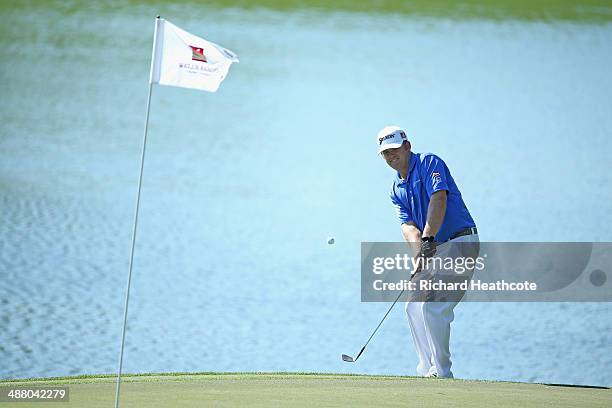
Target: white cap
[{"x": 390, "y": 137}]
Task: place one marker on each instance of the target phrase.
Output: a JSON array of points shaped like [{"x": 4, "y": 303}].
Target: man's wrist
[{"x": 427, "y": 239}]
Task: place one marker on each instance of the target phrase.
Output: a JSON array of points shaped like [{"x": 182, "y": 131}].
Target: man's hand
[{"x": 428, "y": 249}]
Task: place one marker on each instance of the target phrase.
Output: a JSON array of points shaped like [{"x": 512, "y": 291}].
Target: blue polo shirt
[{"x": 427, "y": 173}]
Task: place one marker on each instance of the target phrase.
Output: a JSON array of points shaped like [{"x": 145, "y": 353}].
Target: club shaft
[{"x": 379, "y": 324}]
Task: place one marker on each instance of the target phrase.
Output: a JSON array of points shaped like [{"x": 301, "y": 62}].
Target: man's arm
[
  {"x": 435, "y": 213},
  {"x": 435, "y": 216},
  {"x": 412, "y": 235},
  {"x": 411, "y": 232}
]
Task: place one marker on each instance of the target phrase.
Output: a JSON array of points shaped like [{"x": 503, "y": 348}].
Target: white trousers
[{"x": 430, "y": 322}]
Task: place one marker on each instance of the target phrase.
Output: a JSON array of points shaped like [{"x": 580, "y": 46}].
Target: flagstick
[
  {"x": 134, "y": 228},
  {"x": 129, "y": 280}
]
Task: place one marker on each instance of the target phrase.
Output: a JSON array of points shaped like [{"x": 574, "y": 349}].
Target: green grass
[
  {"x": 588, "y": 11},
  {"x": 311, "y": 390}
]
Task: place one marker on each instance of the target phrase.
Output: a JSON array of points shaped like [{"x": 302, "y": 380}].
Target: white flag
[{"x": 185, "y": 60}]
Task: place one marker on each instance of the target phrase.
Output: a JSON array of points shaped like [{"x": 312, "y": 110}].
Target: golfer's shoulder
[
  {"x": 428, "y": 158},
  {"x": 394, "y": 189}
]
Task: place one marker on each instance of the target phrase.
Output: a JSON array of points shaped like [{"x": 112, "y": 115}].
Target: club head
[{"x": 348, "y": 359}]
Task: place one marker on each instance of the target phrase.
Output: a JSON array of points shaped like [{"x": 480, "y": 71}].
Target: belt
[{"x": 463, "y": 232}]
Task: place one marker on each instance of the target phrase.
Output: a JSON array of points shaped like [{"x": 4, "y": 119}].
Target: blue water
[{"x": 242, "y": 188}]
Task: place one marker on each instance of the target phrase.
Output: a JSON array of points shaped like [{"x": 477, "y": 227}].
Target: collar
[{"x": 398, "y": 179}]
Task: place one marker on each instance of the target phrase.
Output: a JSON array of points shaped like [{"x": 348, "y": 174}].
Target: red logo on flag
[{"x": 198, "y": 54}]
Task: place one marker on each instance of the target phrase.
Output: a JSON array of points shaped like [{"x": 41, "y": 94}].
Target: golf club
[{"x": 350, "y": 359}]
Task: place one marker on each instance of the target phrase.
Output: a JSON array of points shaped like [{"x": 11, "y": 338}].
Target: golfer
[{"x": 434, "y": 219}]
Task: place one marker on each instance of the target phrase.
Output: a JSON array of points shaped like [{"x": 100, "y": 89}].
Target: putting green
[{"x": 310, "y": 390}]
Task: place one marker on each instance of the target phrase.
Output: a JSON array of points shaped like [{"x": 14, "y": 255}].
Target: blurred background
[{"x": 243, "y": 187}]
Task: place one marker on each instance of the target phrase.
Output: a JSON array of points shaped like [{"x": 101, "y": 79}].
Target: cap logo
[
  {"x": 391, "y": 136},
  {"x": 382, "y": 139}
]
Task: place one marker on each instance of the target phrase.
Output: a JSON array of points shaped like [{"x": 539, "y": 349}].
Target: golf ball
[{"x": 330, "y": 241}]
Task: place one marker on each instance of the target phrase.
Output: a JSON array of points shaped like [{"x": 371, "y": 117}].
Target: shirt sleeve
[
  {"x": 436, "y": 174},
  {"x": 403, "y": 213}
]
